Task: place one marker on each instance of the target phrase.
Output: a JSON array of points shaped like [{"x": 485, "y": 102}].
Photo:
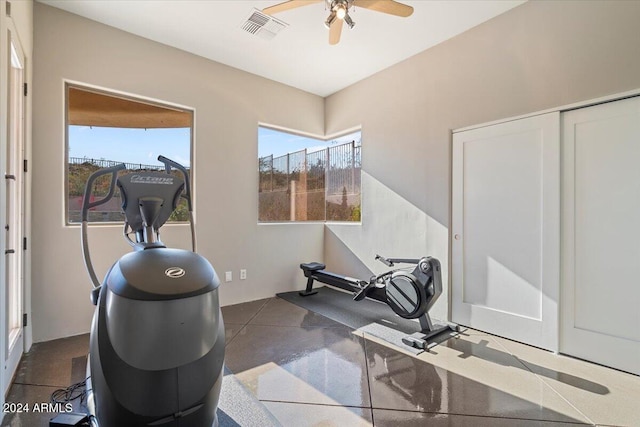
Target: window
[
  {"x": 308, "y": 179},
  {"x": 107, "y": 129}
]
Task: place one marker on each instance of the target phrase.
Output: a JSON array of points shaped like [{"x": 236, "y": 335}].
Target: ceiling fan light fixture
[
  {"x": 331, "y": 19},
  {"x": 349, "y": 21},
  {"x": 339, "y": 11}
]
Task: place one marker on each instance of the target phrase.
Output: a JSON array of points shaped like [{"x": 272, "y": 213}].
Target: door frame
[{"x": 11, "y": 356}]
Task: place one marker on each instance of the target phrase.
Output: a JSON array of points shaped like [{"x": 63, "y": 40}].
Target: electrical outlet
[
  {"x": 228, "y": 276},
  {"x": 243, "y": 274}
]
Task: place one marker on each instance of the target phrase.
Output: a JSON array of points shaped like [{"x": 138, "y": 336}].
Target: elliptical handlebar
[
  {"x": 168, "y": 164},
  {"x": 88, "y": 204},
  {"x": 86, "y": 201}
]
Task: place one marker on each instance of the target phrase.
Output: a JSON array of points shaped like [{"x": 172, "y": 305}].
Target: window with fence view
[
  {"x": 104, "y": 130},
  {"x": 307, "y": 179}
]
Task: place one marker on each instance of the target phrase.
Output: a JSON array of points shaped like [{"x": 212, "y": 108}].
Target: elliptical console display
[{"x": 157, "y": 338}]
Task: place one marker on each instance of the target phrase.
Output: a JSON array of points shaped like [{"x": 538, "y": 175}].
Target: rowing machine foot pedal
[
  {"x": 360, "y": 295},
  {"x": 306, "y": 294},
  {"x": 415, "y": 341},
  {"x": 365, "y": 289}
]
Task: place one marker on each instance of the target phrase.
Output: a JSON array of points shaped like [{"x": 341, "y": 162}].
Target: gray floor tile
[
  {"x": 48, "y": 363},
  {"x": 603, "y": 395},
  {"x": 469, "y": 376},
  {"x": 242, "y": 313},
  {"x": 310, "y": 370},
  {"x": 231, "y": 330},
  {"x": 292, "y": 364},
  {"x": 387, "y": 418},
  {"x": 278, "y": 312},
  {"x": 307, "y": 415}
]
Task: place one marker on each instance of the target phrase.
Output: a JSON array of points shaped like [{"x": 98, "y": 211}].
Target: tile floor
[
  {"x": 47, "y": 367},
  {"x": 311, "y": 371}
]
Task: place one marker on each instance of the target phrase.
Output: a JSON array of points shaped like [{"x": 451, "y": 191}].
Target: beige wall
[
  {"x": 540, "y": 55},
  {"x": 536, "y": 56},
  {"x": 229, "y": 104}
]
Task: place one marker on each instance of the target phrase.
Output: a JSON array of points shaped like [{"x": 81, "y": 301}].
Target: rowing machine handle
[
  {"x": 390, "y": 262},
  {"x": 383, "y": 260},
  {"x": 403, "y": 260}
]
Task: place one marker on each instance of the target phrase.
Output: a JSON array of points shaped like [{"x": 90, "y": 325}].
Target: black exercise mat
[{"x": 370, "y": 317}]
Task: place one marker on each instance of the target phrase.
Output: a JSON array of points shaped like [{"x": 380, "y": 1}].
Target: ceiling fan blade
[
  {"x": 334, "y": 31},
  {"x": 291, "y": 4},
  {"x": 385, "y": 6}
]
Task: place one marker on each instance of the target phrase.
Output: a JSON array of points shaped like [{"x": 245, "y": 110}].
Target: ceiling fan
[{"x": 339, "y": 11}]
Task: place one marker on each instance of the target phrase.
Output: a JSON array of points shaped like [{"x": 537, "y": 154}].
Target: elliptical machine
[{"x": 157, "y": 337}]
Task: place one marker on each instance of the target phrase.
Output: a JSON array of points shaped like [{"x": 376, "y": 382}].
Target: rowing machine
[{"x": 410, "y": 294}]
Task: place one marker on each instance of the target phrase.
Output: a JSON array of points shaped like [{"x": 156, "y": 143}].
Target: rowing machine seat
[{"x": 309, "y": 267}]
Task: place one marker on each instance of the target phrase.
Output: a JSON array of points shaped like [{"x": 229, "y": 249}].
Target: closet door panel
[
  {"x": 601, "y": 234},
  {"x": 505, "y": 229}
]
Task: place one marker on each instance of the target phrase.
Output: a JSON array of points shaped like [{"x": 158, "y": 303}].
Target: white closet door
[
  {"x": 601, "y": 234},
  {"x": 505, "y": 229}
]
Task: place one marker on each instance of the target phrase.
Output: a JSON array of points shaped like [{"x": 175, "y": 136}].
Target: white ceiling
[{"x": 300, "y": 55}]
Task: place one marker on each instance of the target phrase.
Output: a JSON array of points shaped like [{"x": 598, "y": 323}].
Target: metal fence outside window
[
  {"x": 320, "y": 185},
  {"x": 79, "y": 170},
  {"x": 102, "y": 163}
]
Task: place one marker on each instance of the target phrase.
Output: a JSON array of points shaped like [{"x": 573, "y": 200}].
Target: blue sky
[
  {"x": 130, "y": 145},
  {"x": 144, "y": 145}
]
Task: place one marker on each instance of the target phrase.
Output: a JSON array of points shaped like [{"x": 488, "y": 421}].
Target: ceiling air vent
[{"x": 264, "y": 26}]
